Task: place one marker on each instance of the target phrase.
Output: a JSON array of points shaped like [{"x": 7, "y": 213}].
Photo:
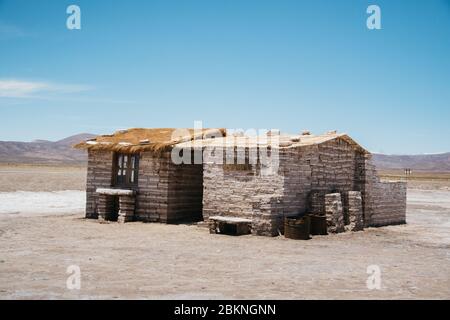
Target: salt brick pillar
[
  {"x": 353, "y": 200},
  {"x": 334, "y": 213},
  {"x": 126, "y": 208},
  {"x": 105, "y": 206}
]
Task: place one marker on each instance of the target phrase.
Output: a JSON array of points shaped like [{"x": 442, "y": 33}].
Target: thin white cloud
[
  {"x": 10, "y": 31},
  {"x": 10, "y": 88},
  {"x": 18, "y": 89}
]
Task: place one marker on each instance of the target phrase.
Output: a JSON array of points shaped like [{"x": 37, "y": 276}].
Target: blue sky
[{"x": 290, "y": 65}]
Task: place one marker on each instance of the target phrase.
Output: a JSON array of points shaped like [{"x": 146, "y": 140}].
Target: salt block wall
[
  {"x": 384, "y": 202},
  {"x": 336, "y": 168},
  {"x": 321, "y": 169},
  {"x": 329, "y": 167},
  {"x": 99, "y": 175},
  {"x": 295, "y": 167},
  {"x": 242, "y": 193},
  {"x": 153, "y": 187}
]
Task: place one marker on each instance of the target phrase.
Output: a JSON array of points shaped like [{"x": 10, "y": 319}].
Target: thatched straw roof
[
  {"x": 285, "y": 141},
  {"x": 164, "y": 139},
  {"x": 138, "y": 139}
]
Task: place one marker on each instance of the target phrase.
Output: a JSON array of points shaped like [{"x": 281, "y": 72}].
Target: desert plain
[{"x": 43, "y": 233}]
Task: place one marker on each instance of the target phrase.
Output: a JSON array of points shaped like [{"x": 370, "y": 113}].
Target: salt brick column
[
  {"x": 105, "y": 205},
  {"x": 126, "y": 208},
  {"x": 353, "y": 200},
  {"x": 334, "y": 213}
]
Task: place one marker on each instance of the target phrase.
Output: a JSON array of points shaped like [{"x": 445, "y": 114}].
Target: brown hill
[
  {"x": 424, "y": 162},
  {"x": 44, "y": 152}
]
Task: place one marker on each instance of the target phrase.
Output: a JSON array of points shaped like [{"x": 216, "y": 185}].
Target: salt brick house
[{"x": 131, "y": 178}]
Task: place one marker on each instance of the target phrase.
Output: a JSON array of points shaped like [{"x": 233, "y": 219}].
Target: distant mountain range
[
  {"x": 44, "y": 152},
  {"x": 61, "y": 152},
  {"x": 423, "y": 162}
]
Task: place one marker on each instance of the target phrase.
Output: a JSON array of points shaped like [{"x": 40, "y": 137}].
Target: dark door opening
[{"x": 112, "y": 208}]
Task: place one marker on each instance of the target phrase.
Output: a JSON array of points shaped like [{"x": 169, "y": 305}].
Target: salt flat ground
[{"x": 156, "y": 261}]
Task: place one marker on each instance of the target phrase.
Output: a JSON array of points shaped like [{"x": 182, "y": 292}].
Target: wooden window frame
[{"x": 131, "y": 169}]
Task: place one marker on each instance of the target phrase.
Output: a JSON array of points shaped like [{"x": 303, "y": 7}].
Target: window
[
  {"x": 242, "y": 160},
  {"x": 126, "y": 169}
]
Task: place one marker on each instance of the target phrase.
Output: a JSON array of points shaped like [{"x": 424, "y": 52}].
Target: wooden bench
[{"x": 229, "y": 225}]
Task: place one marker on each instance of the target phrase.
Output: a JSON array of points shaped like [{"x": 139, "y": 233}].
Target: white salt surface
[
  {"x": 26, "y": 203},
  {"x": 429, "y": 197}
]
